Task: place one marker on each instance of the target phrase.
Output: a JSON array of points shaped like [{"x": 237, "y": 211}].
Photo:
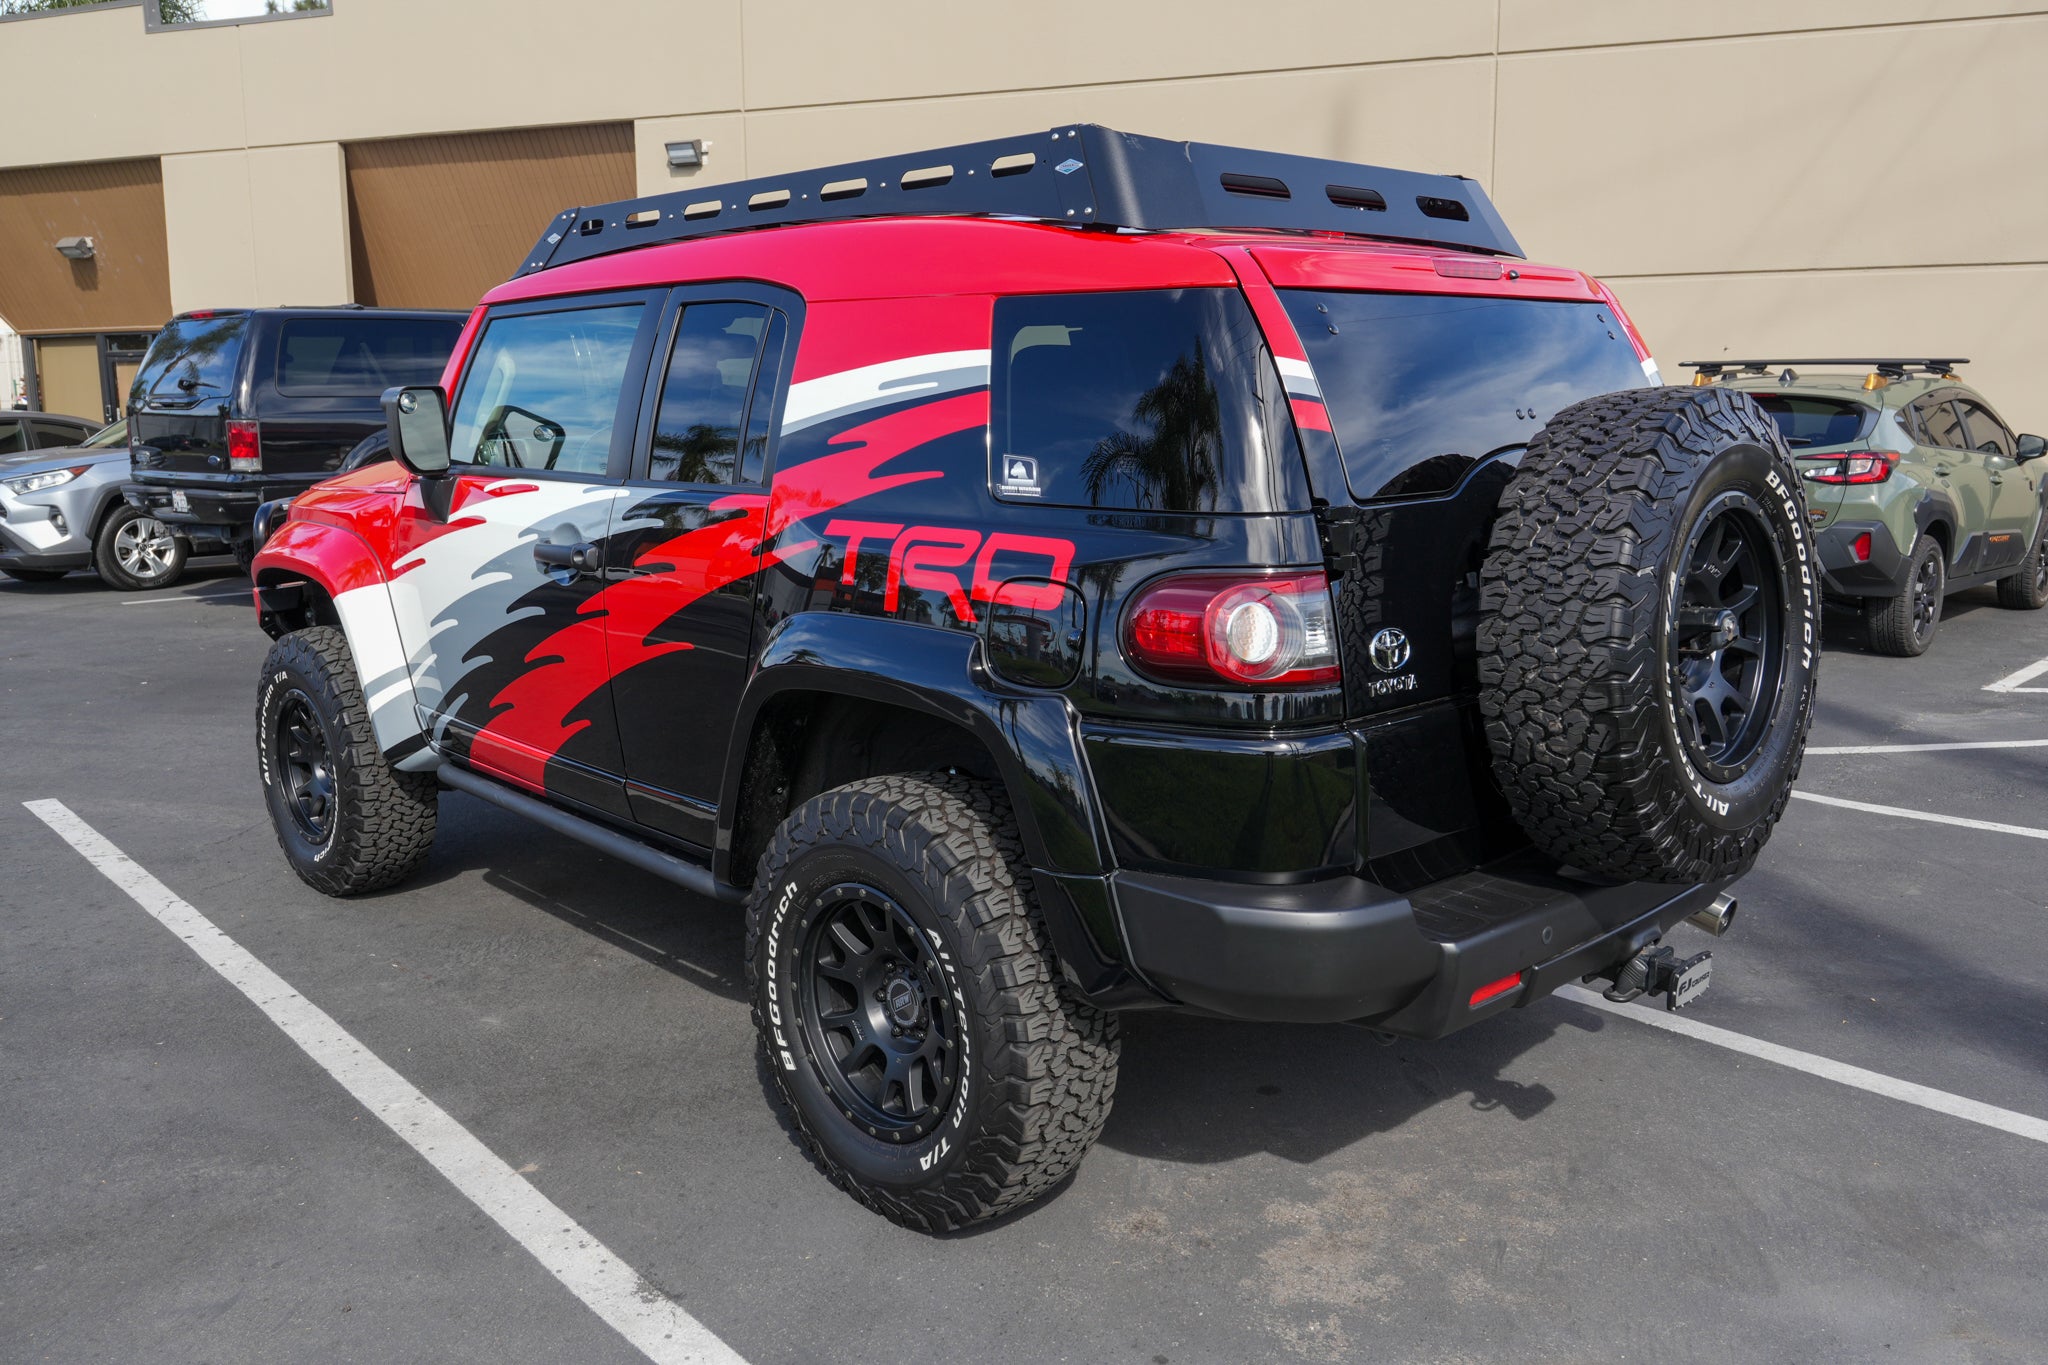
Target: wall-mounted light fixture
[
  {"x": 77, "y": 248},
  {"x": 683, "y": 155}
]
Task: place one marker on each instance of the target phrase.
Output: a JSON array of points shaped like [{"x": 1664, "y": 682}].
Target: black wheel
[
  {"x": 1649, "y": 634},
  {"x": 1903, "y": 625},
  {"x": 347, "y": 821},
  {"x": 135, "y": 552},
  {"x": 35, "y": 575},
  {"x": 2027, "y": 590},
  {"x": 935, "y": 1063}
]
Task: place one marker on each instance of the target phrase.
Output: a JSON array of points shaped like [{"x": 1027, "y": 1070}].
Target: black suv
[
  {"x": 1031, "y": 609},
  {"x": 235, "y": 407}
]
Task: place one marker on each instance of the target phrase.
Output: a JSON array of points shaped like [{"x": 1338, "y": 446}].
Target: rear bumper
[
  {"x": 213, "y": 508},
  {"x": 1883, "y": 574},
  {"x": 1346, "y": 949}
]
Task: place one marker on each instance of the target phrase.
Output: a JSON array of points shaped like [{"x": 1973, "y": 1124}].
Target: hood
[{"x": 64, "y": 457}]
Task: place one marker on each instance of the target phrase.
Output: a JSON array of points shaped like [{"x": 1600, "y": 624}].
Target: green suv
[{"x": 1915, "y": 487}]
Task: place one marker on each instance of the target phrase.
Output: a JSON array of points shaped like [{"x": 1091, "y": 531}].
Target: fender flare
[
  {"x": 348, "y": 572},
  {"x": 1937, "y": 506},
  {"x": 1032, "y": 737}
]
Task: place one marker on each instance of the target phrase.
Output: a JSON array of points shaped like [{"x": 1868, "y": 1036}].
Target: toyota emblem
[{"x": 1390, "y": 650}]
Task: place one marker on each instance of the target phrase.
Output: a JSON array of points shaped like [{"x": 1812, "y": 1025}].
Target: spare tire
[{"x": 1649, "y": 634}]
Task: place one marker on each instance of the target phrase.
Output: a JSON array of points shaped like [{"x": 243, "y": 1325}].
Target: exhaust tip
[{"x": 1716, "y": 918}]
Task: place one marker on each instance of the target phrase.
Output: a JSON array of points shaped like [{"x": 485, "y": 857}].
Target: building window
[{"x": 170, "y": 14}]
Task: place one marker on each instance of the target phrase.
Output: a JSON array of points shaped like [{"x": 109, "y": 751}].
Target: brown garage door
[
  {"x": 126, "y": 283},
  {"x": 436, "y": 221}
]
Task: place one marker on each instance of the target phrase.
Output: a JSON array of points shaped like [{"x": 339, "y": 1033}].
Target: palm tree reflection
[{"x": 1173, "y": 465}]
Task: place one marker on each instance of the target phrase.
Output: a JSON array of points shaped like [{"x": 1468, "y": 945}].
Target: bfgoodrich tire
[
  {"x": 937, "y": 1066},
  {"x": 347, "y": 821},
  {"x": 1649, "y": 634}
]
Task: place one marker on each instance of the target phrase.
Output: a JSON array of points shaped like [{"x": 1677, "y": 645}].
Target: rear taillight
[
  {"x": 1236, "y": 629},
  {"x": 245, "y": 448},
  {"x": 1858, "y": 466}
]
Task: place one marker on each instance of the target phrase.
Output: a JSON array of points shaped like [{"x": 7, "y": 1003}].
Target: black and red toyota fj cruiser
[{"x": 1054, "y": 576}]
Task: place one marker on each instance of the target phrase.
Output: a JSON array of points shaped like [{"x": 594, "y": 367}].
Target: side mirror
[
  {"x": 417, "y": 422},
  {"x": 2030, "y": 448}
]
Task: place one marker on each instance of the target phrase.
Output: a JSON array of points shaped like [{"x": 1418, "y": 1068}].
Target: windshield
[
  {"x": 1806, "y": 421},
  {"x": 1420, "y": 387},
  {"x": 193, "y": 355},
  {"x": 115, "y": 435}
]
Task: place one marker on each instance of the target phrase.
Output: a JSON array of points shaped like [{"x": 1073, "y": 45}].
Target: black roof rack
[
  {"x": 1890, "y": 366},
  {"x": 1083, "y": 174}
]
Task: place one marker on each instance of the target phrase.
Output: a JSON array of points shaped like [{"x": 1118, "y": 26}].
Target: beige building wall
[{"x": 1754, "y": 176}]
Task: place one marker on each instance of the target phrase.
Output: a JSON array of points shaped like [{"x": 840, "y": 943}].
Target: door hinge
[{"x": 1343, "y": 531}]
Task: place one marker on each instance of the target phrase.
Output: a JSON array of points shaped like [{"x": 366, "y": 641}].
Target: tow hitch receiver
[{"x": 1660, "y": 971}]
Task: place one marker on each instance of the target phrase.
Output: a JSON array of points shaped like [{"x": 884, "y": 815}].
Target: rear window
[
  {"x": 1159, "y": 400},
  {"x": 362, "y": 355},
  {"x": 1805, "y": 421},
  {"x": 192, "y": 355},
  {"x": 1420, "y": 387}
]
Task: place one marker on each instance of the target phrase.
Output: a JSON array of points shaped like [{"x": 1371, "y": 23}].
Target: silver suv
[{"x": 62, "y": 510}]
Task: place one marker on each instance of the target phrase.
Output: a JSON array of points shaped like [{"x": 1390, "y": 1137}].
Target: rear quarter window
[
  {"x": 1421, "y": 387},
  {"x": 1151, "y": 400},
  {"x": 1806, "y": 421},
  {"x": 192, "y": 356},
  {"x": 365, "y": 355}
]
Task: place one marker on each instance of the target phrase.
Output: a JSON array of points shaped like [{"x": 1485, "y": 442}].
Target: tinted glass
[
  {"x": 542, "y": 391},
  {"x": 1804, "y": 421},
  {"x": 115, "y": 435},
  {"x": 1939, "y": 425},
  {"x": 58, "y": 433},
  {"x": 1987, "y": 433},
  {"x": 1163, "y": 400},
  {"x": 754, "y": 450},
  {"x": 1420, "y": 387},
  {"x": 704, "y": 392},
  {"x": 13, "y": 438},
  {"x": 363, "y": 355},
  {"x": 192, "y": 356}
]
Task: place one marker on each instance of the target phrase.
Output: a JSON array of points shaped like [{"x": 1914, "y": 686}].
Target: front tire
[
  {"x": 1649, "y": 634},
  {"x": 348, "y": 822},
  {"x": 936, "y": 1064},
  {"x": 137, "y": 553},
  {"x": 1903, "y": 625},
  {"x": 2027, "y": 590}
]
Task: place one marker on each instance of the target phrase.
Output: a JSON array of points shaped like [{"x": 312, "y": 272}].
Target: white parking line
[
  {"x": 1926, "y": 748},
  {"x": 2024, "y": 831},
  {"x": 641, "y": 1313},
  {"x": 2016, "y": 682},
  {"x": 1940, "y": 1101}
]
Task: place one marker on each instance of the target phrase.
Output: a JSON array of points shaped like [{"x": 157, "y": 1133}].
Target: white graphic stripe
[
  {"x": 2024, "y": 831},
  {"x": 641, "y": 1313},
  {"x": 874, "y": 386},
  {"x": 2016, "y": 682},
  {"x": 1298, "y": 377},
  {"x": 1926, "y": 748},
  {"x": 1940, "y": 1101}
]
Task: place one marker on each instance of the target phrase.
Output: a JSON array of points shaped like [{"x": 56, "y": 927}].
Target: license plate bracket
[{"x": 180, "y": 502}]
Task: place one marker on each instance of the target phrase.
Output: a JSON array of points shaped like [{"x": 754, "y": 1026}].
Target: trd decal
[{"x": 929, "y": 557}]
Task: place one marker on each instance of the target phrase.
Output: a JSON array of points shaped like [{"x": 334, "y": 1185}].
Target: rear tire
[
  {"x": 935, "y": 1063},
  {"x": 348, "y": 822},
  {"x": 2027, "y": 590},
  {"x": 1903, "y": 625},
  {"x": 35, "y": 575},
  {"x": 1649, "y": 633},
  {"x": 135, "y": 552}
]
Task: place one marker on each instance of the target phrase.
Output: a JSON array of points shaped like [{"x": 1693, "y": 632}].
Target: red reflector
[
  {"x": 245, "y": 448},
  {"x": 1468, "y": 270},
  {"x": 202, "y": 315},
  {"x": 1496, "y": 990},
  {"x": 1860, "y": 547}
]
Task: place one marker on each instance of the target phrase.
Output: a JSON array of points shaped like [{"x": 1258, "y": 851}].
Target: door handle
[{"x": 575, "y": 558}]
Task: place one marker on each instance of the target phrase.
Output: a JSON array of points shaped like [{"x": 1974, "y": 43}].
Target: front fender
[{"x": 343, "y": 568}]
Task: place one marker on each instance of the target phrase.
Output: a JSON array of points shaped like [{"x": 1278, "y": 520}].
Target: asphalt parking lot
[{"x": 181, "y": 1181}]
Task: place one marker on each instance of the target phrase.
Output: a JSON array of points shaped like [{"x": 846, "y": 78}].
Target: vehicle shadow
[
  {"x": 201, "y": 573},
  {"x": 1843, "y": 627}
]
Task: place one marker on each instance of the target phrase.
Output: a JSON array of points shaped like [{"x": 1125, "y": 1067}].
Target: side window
[
  {"x": 697, "y": 428},
  {"x": 1939, "y": 425},
  {"x": 1161, "y": 400},
  {"x": 13, "y": 438},
  {"x": 754, "y": 450},
  {"x": 543, "y": 389},
  {"x": 362, "y": 354},
  {"x": 50, "y": 434},
  {"x": 1987, "y": 434}
]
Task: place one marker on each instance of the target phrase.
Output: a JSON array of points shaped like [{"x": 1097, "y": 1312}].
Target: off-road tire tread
[
  {"x": 1570, "y": 594},
  {"x": 1889, "y": 620},
  {"x": 386, "y": 818},
  {"x": 1054, "y": 1073}
]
